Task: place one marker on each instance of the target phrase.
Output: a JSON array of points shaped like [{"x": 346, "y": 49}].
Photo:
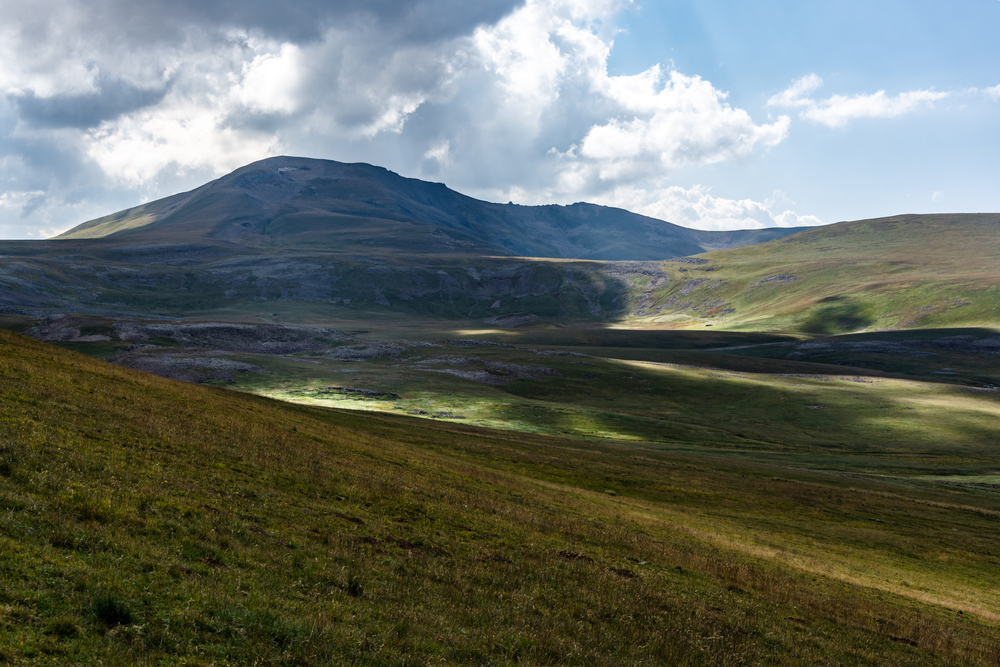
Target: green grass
[
  {"x": 144, "y": 521},
  {"x": 684, "y": 495},
  {"x": 840, "y": 417},
  {"x": 901, "y": 272}
]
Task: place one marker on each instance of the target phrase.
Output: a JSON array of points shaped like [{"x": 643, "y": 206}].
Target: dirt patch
[
  {"x": 623, "y": 572},
  {"x": 352, "y": 519}
]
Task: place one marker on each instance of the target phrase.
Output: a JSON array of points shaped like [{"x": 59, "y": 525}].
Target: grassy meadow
[
  {"x": 902, "y": 272},
  {"x": 148, "y": 521},
  {"x": 783, "y": 454}
]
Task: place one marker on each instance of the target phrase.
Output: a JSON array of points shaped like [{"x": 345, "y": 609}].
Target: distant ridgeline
[
  {"x": 323, "y": 236},
  {"x": 286, "y": 203},
  {"x": 316, "y": 238}
]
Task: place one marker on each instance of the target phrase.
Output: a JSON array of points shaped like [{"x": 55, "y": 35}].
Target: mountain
[
  {"x": 900, "y": 272},
  {"x": 320, "y": 239},
  {"x": 289, "y": 202}
]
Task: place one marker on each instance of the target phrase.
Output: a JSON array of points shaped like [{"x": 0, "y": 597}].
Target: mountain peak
[{"x": 294, "y": 202}]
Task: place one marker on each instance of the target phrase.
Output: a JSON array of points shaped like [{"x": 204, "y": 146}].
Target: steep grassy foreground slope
[
  {"x": 901, "y": 272},
  {"x": 145, "y": 521}
]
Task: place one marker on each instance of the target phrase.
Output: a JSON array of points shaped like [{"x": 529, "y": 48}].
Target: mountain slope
[
  {"x": 288, "y": 202},
  {"x": 897, "y": 272},
  {"x": 149, "y": 522}
]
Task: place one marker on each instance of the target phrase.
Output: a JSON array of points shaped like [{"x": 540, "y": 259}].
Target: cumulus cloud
[
  {"x": 697, "y": 207},
  {"x": 683, "y": 121},
  {"x": 580, "y": 131},
  {"x": 838, "y": 110},
  {"x": 104, "y": 100}
]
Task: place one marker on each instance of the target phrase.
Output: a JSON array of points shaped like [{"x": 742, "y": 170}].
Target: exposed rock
[
  {"x": 188, "y": 369},
  {"x": 246, "y": 338},
  {"x": 469, "y": 342},
  {"x": 367, "y": 352},
  {"x": 780, "y": 279}
]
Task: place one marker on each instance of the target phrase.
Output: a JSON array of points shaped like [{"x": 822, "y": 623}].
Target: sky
[{"x": 712, "y": 114}]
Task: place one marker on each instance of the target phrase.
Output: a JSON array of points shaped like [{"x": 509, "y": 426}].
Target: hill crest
[{"x": 292, "y": 202}]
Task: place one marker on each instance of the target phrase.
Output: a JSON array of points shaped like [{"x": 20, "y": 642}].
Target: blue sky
[
  {"x": 709, "y": 114},
  {"x": 869, "y": 167}
]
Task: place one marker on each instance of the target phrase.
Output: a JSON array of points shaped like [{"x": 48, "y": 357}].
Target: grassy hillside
[
  {"x": 145, "y": 521},
  {"x": 900, "y": 272},
  {"x": 906, "y": 272}
]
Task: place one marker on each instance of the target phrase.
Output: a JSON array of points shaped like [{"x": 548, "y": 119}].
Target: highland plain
[{"x": 443, "y": 430}]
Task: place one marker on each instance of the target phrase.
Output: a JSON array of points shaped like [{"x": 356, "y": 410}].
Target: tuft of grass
[
  {"x": 111, "y": 610},
  {"x": 62, "y": 627},
  {"x": 354, "y": 587}
]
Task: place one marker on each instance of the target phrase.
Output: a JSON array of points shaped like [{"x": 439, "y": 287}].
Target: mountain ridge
[{"x": 287, "y": 201}]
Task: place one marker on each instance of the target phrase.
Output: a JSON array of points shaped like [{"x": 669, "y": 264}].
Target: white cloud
[
  {"x": 795, "y": 95},
  {"x": 191, "y": 127},
  {"x": 269, "y": 83},
  {"x": 838, "y": 110},
  {"x": 522, "y": 106},
  {"x": 602, "y": 130},
  {"x": 18, "y": 200},
  {"x": 993, "y": 92},
  {"x": 696, "y": 207},
  {"x": 180, "y": 134},
  {"x": 440, "y": 153},
  {"x": 936, "y": 195},
  {"x": 685, "y": 122}
]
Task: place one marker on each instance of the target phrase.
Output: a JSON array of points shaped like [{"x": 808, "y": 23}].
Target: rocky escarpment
[{"x": 511, "y": 292}]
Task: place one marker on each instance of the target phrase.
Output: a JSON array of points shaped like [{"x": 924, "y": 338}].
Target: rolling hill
[
  {"x": 313, "y": 240},
  {"x": 901, "y": 272}
]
